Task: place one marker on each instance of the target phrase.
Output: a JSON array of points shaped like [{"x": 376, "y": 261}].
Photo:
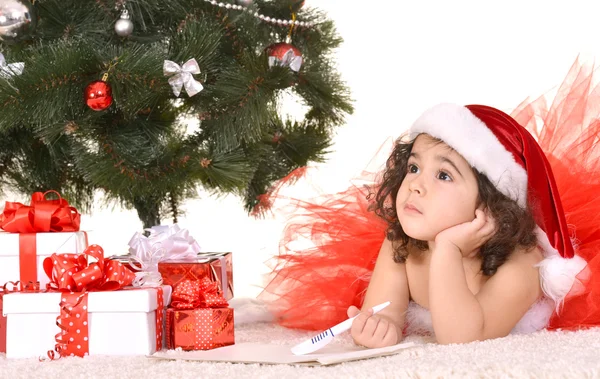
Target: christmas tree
[{"x": 150, "y": 100}]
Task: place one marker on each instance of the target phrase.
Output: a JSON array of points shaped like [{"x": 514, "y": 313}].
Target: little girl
[{"x": 473, "y": 231}]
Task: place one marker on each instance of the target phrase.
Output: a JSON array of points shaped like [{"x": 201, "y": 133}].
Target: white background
[{"x": 399, "y": 58}]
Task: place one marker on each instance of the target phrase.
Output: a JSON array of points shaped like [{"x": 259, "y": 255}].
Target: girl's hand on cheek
[{"x": 468, "y": 237}]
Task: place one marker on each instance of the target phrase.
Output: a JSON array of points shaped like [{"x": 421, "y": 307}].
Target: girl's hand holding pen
[{"x": 372, "y": 330}]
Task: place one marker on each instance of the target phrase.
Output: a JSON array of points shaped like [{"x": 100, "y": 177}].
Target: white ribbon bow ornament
[{"x": 181, "y": 76}]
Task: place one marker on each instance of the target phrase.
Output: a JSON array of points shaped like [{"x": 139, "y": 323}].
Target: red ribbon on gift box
[
  {"x": 40, "y": 216},
  {"x": 192, "y": 294},
  {"x": 74, "y": 277}
]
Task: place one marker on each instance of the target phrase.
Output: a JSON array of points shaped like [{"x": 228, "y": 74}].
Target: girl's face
[{"x": 439, "y": 191}]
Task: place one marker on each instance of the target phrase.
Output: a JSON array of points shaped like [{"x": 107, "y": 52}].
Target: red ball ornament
[
  {"x": 286, "y": 55},
  {"x": 98, "y": 95}
]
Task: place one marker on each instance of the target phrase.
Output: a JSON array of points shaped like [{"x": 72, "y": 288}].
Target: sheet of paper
[{"x": 281, "y": 354}]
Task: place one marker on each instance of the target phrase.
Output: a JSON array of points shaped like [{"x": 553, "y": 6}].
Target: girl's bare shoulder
[{"x": 526, "y": 257}]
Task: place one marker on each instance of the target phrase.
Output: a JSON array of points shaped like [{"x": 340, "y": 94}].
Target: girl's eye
[
  {"x": 444, "y": 176},
  {"x": 413, "y": 169}
]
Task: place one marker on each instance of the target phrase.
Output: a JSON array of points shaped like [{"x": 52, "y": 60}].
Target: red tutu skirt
[{"x": 330, "y": 244}]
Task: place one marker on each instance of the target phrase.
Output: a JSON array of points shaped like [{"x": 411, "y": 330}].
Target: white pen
[{"x": 320, "y": 340}]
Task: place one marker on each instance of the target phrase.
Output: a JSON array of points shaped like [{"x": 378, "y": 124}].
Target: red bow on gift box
[
  {"x": 192, "y": 294},
  {"x": 40, "y": 216},
  {"x": 74, "y": 277},
  {"x": 71, "y": 272}
]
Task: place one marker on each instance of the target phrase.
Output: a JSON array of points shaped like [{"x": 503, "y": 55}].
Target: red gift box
[
  {"x": 217, "y": 267},
  {"x": 198, "y": 318},
  {"x": 200, "y": 329},
  {"x": 174, "y": 254}
]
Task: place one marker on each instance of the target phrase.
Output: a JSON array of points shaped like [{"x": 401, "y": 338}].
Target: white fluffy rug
[{"x": 540, "y": 355}]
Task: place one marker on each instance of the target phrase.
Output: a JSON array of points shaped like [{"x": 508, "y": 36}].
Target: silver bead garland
[{"x": 262, "y": 17}]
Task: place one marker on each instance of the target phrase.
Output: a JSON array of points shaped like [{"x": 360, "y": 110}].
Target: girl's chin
[
  {"x": 419, "y": 236},
  {"x": 418, "y": 230}
]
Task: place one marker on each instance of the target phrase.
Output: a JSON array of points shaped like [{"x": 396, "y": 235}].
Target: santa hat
[{"x": 496, "y": 145}]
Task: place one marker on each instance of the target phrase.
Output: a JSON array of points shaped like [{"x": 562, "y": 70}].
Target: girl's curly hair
[{"x": 515, "y": 224}]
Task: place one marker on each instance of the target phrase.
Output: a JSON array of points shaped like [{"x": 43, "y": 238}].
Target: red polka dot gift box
[{"x": 199, "y": 317}]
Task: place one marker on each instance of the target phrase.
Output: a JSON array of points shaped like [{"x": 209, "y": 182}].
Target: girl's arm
[
  {"x": 459, "y": 316},
  {"x": 388, "y": 283}
]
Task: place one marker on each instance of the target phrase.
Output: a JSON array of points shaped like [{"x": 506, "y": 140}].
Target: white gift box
[
  {"x": 119, "y": 322},
  {"x": 46, "y": 245}
]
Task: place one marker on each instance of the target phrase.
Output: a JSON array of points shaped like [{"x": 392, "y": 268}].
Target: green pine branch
[{"x": 151, "y": 150}]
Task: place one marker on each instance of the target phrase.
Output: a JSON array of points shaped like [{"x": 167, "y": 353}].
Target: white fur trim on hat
[
  {"x": 557, "y": 274},
  {"x": 471, "y": 138}
]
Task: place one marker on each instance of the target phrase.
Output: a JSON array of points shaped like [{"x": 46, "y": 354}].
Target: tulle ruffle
[
  {"x": 568, "y": 132},
  {"x": 328, "y": 252}
]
